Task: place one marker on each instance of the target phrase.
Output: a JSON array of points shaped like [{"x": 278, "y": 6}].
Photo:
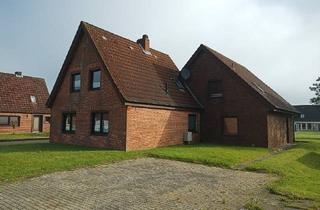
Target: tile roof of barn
[{"x": 252, "y": 81}]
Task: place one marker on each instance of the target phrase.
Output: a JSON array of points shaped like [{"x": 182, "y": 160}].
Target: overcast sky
[{"x": 279, "y": 41}]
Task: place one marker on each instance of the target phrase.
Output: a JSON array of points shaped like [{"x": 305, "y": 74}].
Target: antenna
[{"x": 185, "y": 73}]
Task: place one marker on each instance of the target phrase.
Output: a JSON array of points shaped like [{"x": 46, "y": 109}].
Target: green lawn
[
  {"x": 299, "y": 168},
  {"x": 215, "y": 155},
  {"x": 18, "y": 136},
  {"x": 21, "y": 161}
]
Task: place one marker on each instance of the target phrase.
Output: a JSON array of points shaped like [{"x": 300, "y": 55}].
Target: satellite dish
[{"x": 185, "y": 73}]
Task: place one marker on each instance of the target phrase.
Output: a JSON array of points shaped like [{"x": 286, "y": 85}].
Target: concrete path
[
  {"x": 27, "y": 141},
  {"x": 145, "y": 183}
]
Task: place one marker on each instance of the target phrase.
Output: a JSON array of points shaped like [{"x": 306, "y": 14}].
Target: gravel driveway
[{"x": 145, "y": 183}]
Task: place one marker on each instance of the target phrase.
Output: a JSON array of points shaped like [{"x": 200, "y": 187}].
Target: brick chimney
[{"x": 144, "y": 42}]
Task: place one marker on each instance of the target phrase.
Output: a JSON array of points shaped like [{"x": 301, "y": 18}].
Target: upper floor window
[
  {"x": 95, "y": 79},
  {"x": 75, "y": 82},
  {"x": 230, "y": 126},
  {"x": 100, "y": 123},
  {"x": 69, "y": 122},
  {"x": 192, "y": 122},
  {"x": 302, "y": 116},
  {"x": 215, "y": 89}
]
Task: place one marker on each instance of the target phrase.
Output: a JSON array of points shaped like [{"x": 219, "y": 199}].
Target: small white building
[{"x": 309, "y": 118}]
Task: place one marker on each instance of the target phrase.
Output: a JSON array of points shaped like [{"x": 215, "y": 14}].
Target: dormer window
[
  {"x": 215, "y": 89},
  {"x": 33, "y": 99}
]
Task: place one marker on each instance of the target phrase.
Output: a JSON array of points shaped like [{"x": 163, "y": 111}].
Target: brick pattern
[
  {"x": 238, "y": 100},
  {"x": 87, "y": 101},
  {"x": 254, "y": 82},
  {"x": 149, "y": 128},
  {"x": 26, "y": 123},
  {"x": 140, "y": 184}
]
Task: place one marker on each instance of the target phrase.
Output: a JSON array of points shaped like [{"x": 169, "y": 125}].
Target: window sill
[
  {"x": 230, "y": 135},
  {"x": 68, "y": 132},
  {"x": 99, "y": 134},
  {"x": 94, "y": 89}
]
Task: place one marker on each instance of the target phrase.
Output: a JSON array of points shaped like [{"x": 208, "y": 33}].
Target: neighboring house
[
  {"x": 238, "y": 108},
  {"x": 309, "y": 118},
  {"x": 115, "y": 93},
  {"x": 22, "y": 104}
]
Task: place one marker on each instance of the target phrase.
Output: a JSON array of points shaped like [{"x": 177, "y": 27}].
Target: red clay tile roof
[
  {"x": 254, "y": 82},
  {"x": 140, "y": 77},
  {"x": 15, "y": 94}
]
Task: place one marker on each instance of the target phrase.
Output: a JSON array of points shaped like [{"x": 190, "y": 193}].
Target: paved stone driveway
[{"x": 137, "y": 184}]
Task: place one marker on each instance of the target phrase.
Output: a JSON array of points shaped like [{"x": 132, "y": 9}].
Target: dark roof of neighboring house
[
  {"x": 310, "y": 112},
  {"x": 15, "y": 93},
  {"x": 140, "y": 78},
  {"x": 250, "y": 79}
]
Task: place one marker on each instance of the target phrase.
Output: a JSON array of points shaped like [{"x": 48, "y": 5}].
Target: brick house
[
  {"x": 238, "y": 108},
  {"x": 116, "y": 93},
  {"x": 22, "y": 104},
  {"x": 112, "y": 92}
]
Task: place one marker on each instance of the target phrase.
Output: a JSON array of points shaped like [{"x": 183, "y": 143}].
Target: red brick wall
[
  {"x": 25, "y": 124},
  {"x": 86, "y": 101},
  {"x": 46, "y": 124},
  {"x": 238, "y": 100},
  {"x": 149, "y": 128}
]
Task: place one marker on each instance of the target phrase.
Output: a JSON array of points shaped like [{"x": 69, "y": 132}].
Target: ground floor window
[
  {"x": 230, "y": 126},
  {"x": 69, "y": 122},
  {"x": 10, "y": 120},
  {"x": 192, "y": 123},
  {"x": 303, "y": 126},
  {"x": 47, "y": 119},
  {"x": 100, "y": 123}
]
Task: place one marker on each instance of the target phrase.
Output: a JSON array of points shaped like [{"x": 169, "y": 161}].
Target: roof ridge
[
  {"x": 244, "y": 73},
  {"x": 12, "y": 74},
  {"x": 86, "y": 23}
]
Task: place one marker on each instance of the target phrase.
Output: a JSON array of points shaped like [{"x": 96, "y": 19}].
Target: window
[
  {"x": 10, "y": 120},
  {"x": 76, "y": 82},
  {"x": 302, "y": 116},
  {"x": 309, "y": 126},
  {"x": 4, "y": 120},
  {"x": 47, "y": 119},
  {"x": 33, "y": 99},
  {"x": 95, "y": 80},
  {"x": 303, "y": 126},
  {"x": 14, "y": 121},
  {"x": 69, "y": 122},
  {"x": 215, "y": 89},
  {"x": 100, "y": 123},
  {"x": 230, "y": 126},
  {"x": 192, "y": 122}
]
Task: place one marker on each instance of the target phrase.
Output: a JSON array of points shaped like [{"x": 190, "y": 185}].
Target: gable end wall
[
  {"x": 86, "y": 101},
  {"x": 238, "y": 101}
]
